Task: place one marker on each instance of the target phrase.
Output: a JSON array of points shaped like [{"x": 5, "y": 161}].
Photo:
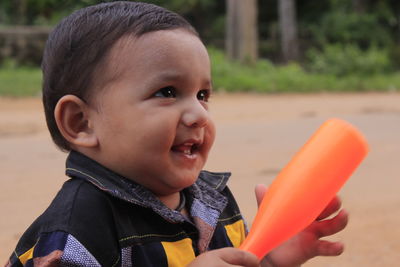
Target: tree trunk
[
  {"x": 241, "y": 30},
  {"x": 288, "y": 30}
]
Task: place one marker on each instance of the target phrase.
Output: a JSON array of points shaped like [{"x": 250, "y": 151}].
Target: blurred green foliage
[
  {"x": 360, "y": 29},
  {"x": 206, "y": 15},
  {"x": 342, "y": 59},
  {"x": 19, "y": 81},
  {"x": 267, "y": 77}
]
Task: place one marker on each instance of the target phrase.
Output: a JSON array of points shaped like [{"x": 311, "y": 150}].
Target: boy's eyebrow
[
  {"x": 172, "y": 75},
  {"x": 168, "y": 76}
]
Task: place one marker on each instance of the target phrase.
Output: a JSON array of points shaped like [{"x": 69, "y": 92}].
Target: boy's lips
[{"x": 188, "y": 148}]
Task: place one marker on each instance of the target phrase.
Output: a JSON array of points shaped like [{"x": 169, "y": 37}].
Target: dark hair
[{"x": 80, "y": 42}]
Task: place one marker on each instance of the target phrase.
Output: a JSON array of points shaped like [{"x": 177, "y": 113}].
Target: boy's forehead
[
  {"x": 158, "y": 43},
  {"x": 155, "y": 56},
  {"x": 159, "y": 49}
]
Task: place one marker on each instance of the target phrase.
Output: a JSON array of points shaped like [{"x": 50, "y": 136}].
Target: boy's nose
[{"x": 195, "y": 115}]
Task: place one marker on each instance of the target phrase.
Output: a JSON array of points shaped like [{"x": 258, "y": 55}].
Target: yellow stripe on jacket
[
  {"x": 179, "y": 253},
  {"x": 236, "y": 232},
  {"x": 26, "y": 256}
]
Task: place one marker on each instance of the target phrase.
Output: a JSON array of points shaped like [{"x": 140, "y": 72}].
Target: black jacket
[{"x": 99, "y": 218}]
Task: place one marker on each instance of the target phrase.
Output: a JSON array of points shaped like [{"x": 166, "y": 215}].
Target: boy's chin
[{"x": 178, "y": 186}]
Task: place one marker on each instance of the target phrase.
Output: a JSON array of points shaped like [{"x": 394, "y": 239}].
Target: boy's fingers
[
  {"x": 332, "y": 226},
  {"x": 239, "y": 257},
  {"x": 326, "y": 248},
  {"x": 332, "y": 207}
]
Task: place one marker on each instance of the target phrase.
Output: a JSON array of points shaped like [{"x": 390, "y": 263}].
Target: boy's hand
[
  {"x": 307, "y": 244},
  {"x": 225, "y": 257}
]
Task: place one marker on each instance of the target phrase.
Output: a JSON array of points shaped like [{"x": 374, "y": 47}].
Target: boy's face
[{"x": 151, "y": 118}]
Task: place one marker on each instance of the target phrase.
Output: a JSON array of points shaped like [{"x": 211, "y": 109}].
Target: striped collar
[{"x": 206, "y": 190}]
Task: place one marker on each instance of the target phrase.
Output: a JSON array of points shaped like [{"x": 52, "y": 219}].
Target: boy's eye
[
  {"x": 203, "y": 95},
  {"x": 168, "y": 92}
]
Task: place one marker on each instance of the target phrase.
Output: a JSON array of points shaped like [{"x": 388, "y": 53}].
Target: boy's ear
[{"x": 73, "y": 121}]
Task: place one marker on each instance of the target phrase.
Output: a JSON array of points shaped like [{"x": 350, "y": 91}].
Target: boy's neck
[{"x": 171, "y": 201}]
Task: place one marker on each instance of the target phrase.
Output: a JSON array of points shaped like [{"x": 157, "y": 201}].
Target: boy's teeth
[{"x": 185, "y": 149}]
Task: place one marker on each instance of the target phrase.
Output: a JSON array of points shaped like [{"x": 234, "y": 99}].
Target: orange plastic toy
[{"x": 306, "y": 185}]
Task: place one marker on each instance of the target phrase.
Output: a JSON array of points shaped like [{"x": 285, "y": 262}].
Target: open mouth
[{"x": 188, "y": 149}]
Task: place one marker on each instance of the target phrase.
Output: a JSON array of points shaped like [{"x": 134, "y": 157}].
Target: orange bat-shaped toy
[{"x": 306, "y": 185}]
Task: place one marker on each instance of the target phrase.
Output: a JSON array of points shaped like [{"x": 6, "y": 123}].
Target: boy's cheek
[{"x": 209, "y": 136}]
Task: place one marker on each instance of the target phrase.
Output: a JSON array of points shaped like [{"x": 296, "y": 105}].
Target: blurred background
[
  {"x": 291, "y": 65},
  {"x": 262, "y": 46}
]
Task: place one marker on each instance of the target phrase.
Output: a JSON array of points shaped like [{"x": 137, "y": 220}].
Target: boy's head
[
  {"x": 76, "y": 50},
  {"x": 130, "y": 90}
]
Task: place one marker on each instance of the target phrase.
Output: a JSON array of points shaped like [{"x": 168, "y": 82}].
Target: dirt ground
[{"x": 256, "y": 137}]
